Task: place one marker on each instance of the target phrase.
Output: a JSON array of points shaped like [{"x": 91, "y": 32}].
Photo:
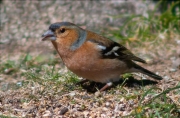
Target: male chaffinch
[{"x": 92, "y": 56}]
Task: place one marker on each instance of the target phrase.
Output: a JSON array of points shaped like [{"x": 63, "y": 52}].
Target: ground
[{"x": 34, "y": 82}]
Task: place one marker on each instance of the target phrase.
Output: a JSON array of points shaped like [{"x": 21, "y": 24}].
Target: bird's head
[
  {"x": 57, "y": 30},
  {"x": 65, "y": 32}
]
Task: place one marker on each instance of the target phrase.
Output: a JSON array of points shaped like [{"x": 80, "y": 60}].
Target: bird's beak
[{"x": 48, "y": 35}]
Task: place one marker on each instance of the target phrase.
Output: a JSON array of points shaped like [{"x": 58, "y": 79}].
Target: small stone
[
  {"x": 19, "y": 84},
  {"x": 97, "y": 94},
  {"x": 116, "y": 109},
  {"x": 86, "y": 113},
  {"x": 178, "y": 41},
  {"x": 172, "y": 70},
  {"x": 125, "y": 113},
  {"x": 103, "y": 115},
  {"x": 104, "y": 109},
  {"x": 72, "y": 94},
  {"x": 166, "y": 78},
  {"x": 107, "y": 104},
  {"x": 122, "y": 100},
  {"x": 144, "y": 78},
  {"x": 122, "y": 107},
  {"x": 63, "y": 111},
  {"x": 131, "y": 103},
  {"x": 47, "y": 113}
]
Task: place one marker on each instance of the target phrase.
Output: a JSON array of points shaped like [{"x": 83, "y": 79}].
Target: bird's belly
[
  {"x": 104, "y": 71},
  {"x": 99, "y": 76}
]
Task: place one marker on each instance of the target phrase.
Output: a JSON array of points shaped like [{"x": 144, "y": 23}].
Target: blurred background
[{"x": 23, "y": 22}]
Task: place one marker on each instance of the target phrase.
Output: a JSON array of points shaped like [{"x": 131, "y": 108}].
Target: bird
[{"x": 92, "y": 56}]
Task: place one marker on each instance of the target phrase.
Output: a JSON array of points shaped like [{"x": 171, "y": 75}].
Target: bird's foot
[{"x": 109, "y": 84}]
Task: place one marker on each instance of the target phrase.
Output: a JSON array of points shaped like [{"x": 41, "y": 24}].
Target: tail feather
[{"x": 147, "y": 72}]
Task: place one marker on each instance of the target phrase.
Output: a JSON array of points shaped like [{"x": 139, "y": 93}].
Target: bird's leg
[
  {"x": 109, "y": 84},
  {"x": 82, "y": 81}
]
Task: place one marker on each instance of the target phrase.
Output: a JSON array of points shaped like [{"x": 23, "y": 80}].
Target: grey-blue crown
[{"x": 57, "y": 25}]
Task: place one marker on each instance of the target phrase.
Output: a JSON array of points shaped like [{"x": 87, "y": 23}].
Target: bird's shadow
[{"x": 92, "y": 87}]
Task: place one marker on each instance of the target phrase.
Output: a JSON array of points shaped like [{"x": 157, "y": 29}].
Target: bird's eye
[{"x": 62, "y": 30}]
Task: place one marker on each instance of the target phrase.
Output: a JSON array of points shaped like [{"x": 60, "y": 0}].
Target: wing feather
[{"x": 115, "y": 50}]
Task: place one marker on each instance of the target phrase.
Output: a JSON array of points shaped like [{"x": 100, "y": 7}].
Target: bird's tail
[{"x": 147, "y": 72}]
